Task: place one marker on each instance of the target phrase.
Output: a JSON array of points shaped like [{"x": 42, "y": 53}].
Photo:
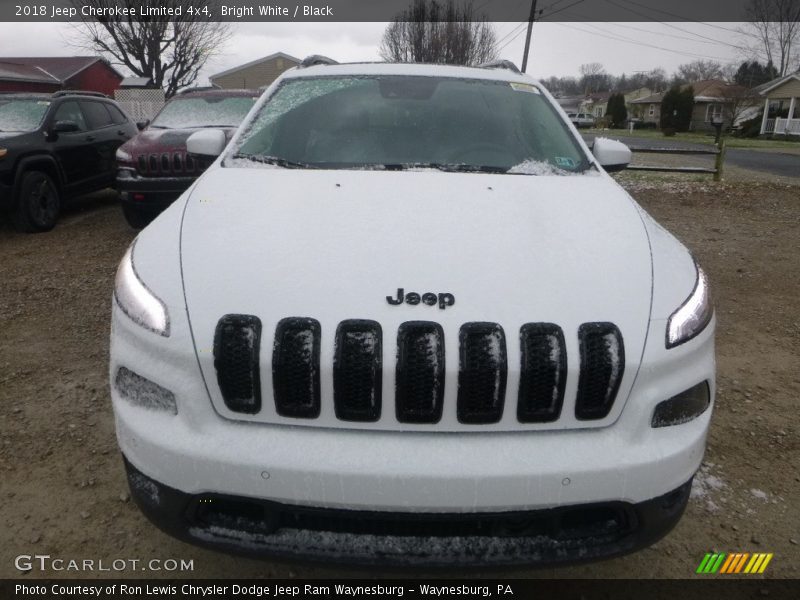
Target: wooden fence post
[{"x": 720, "y": 160}]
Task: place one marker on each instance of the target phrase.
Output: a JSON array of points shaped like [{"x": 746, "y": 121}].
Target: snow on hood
[
  {"x": 164, "y": 140},
  {"x": 333, "y": 245}
]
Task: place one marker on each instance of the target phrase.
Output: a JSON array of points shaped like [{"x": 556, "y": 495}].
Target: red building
[{"x": 50, "y": 74}]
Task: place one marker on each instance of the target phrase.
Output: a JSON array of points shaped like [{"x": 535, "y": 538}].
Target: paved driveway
[{"x": 784, "y": 162}]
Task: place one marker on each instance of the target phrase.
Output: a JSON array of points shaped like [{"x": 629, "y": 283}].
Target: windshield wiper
[
  {"x": 275, "y": 160},
  {"x": 448, "y": 168},
  {"x": 159, "y": 127}
]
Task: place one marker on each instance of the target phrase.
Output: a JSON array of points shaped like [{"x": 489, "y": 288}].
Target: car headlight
[
  {"x": 136, "y": 301},
  {"x": 693, "y": 315},
  {"x": 123, "y": 156}
]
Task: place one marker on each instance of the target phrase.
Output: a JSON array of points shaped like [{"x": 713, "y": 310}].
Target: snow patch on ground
[
  {"x": 761, "y": 495},
  {"x": 706, "y": 487}
]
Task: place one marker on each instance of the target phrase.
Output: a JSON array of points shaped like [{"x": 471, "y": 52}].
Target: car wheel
[
  {"x": 135, "y": 217},
  {"x": 38, "y": 203}
]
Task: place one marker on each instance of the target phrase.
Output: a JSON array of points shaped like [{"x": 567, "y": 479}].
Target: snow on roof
[
  {"x": 420, "y": 70},
  {"x": 59, "y": 68}
]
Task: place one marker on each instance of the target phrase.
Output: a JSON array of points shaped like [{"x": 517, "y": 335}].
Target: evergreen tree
[
  {"x": 616, "y": 110},
  {"x": 676, "y": 108}
]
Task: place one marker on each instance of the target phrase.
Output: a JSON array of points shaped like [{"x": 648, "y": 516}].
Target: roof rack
[
  {"x": 500, "y": 64},
  {"x": 316, "y": 59},
  {"x": 60, "y": 93}
]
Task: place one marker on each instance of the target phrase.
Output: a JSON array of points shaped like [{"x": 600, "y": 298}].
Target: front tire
[
  {"x": 135, "y": 218},
  {"x": 38, "y": 203}
]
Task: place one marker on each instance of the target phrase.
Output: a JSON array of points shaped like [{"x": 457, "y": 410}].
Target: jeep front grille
[
  {"x": 543, "y": 373},
  {"x": 602, "y": 367},
  {"x": 419, "y": 384},
  {"x": 237, "y": 342},
  {"x": 169, "y": 164},
  {"x": 295, "y": 368},
  {"x": 357, "y": 370},
  {"x": 420, "y": 375},
  {"x": 482, "y": 373}
]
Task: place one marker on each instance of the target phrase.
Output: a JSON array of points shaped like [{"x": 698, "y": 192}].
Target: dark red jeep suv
[{"x": 153, "y": 168}]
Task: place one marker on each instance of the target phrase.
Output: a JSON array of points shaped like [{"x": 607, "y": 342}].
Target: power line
[
  {"x": 638, "y": 43},
  {"x": 681, "y": 18}
]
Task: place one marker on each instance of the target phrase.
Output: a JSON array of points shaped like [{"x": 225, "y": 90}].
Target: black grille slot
[
  {"x": 602, "y": 366},
  {"x": 543, "y": 373},
  {"x": 189, "y": 163},
  {"x": 295, "y": 368},
  {"x": 236, "y": 350},
  {"x": 177, "y": 162},
  {"x": 482, "y": 373},
  {"x": 142, "y": 163},
  {"x": 357, "y": 371},
  {"x": 153, "y": 163},
  {"x": 165, "y": 165},
  {"x": 419, "y": 385}
]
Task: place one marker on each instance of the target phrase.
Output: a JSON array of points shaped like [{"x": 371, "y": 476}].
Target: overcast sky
[{"x": 558, "y": 48}]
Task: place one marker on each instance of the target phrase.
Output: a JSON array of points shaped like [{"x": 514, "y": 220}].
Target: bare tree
[
  {"x": 171, "y": 52},
  {"x": 776, "y": 26},
  {"x": 439, "y": 32},
  {"x": 593, "y": 77},
  {"x": 698, "y": 70}
]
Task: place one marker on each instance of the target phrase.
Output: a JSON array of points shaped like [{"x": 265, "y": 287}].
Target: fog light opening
[
  {"x": 140, "y": 391},
  {"x": 683, "y": 407}
]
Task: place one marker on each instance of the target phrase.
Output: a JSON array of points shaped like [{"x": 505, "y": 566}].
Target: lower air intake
[
  {"x": 357, "y": 371},
  {"x": 543, "y": 373},
  {"x": 482, "y": 373},
  {"x": 236, "y": 351},
  {"x": 419, "y": 393},
  {"x": 602, "y": 366},
  {"x": 295, "y": 368}
]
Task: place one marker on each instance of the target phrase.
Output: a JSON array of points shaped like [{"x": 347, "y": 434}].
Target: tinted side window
[
  {"x": 69, "y": 111},
  {"x": 116, "y": 114},
  {"x": 97, "y": 116}
]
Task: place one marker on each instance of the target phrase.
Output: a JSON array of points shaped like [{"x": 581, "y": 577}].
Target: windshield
[
  {"x": 207, "y": 111},
  {"x": 21, "y": 114},
  {"x": 404, "y": 122}
]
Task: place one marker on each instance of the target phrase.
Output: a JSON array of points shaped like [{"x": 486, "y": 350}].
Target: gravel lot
[{"x": 61, "y": 476}]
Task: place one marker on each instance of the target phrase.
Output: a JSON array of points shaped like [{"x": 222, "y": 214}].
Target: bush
[
  {"x": 676, "y": 108},
  {"x": 616, "y": 111},
  {"x": 750, "y": 128}
]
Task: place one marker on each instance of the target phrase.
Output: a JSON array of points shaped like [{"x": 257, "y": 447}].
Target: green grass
[{"x": 700, "y": 138}]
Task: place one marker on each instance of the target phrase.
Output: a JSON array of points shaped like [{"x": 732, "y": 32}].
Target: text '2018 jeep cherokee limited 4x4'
[
  {"x": 407, "y": 317},
  {"x": 56, "y": 146}
]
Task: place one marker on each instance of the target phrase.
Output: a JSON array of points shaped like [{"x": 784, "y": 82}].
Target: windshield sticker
[
  {"x": 524, "y": 87},
  {"x": 565, "y": 161},
  {"x": 43, "y": 103}
]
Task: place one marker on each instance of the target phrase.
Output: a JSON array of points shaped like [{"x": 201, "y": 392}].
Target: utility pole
[{"x": 528, "y": 37}]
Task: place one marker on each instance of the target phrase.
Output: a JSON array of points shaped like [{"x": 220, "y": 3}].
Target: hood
[
  {"x": 157, "y": 141},
  {"x": 333, "y": 245}
]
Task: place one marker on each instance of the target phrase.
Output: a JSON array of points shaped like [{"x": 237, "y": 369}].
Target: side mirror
[
  {"x": 209, "y": 143},
  {"x": 140, "y": 125},
  {"x": 611, "y": 154},
  {"x": 65, "y": 127}
]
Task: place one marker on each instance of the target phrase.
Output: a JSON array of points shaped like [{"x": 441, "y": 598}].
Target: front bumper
[
  {"x": 263, "y": 528},
  {"x": 150, "y": 195}
]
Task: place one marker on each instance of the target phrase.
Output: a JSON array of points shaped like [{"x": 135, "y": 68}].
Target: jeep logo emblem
[{"x": 444, "y": 300}]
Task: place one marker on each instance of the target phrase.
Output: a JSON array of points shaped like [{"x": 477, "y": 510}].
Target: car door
[
  {"x": 73, "y": 149},
  {"x": 105, "y": 140}
]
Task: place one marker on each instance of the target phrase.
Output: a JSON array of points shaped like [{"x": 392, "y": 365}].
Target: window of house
[
  {"x": 652, "y": 110},
  {"x": 713, "y": 112},
  {"x": 279, "y": 63}
]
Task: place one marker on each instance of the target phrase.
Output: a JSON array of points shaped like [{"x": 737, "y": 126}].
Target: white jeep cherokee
[{"x": 408, "y": 317}]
